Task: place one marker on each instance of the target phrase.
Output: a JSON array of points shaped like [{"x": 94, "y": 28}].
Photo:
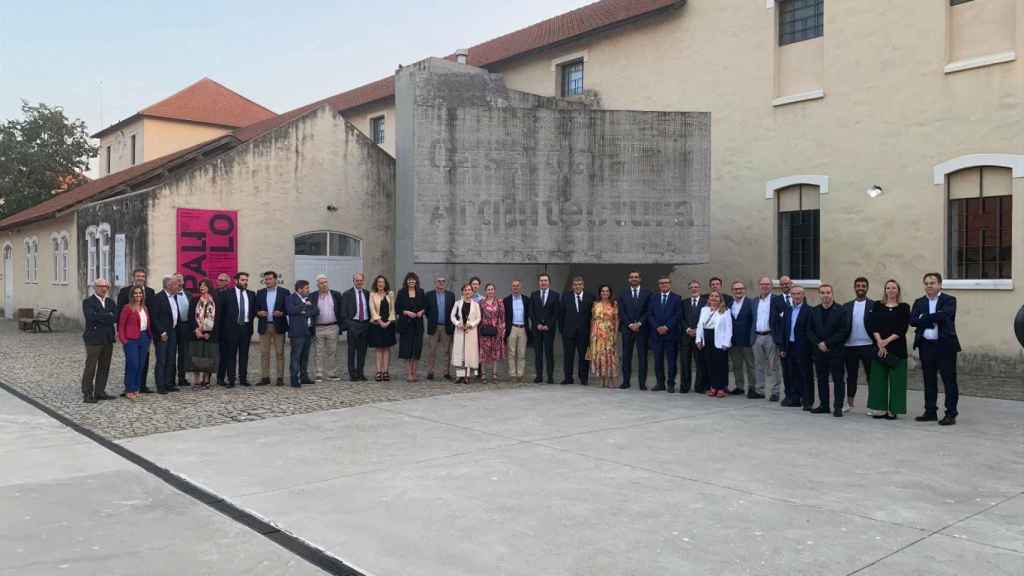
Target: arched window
[
  {"x": 799, "y": 224},
  {"x": 55, "y": 248},
  {"x": 104, "y": 251},
  {"x": 91, "y": 235},
  {"x": 327, "y": 244},
  {"x": 65, "y": 258},
  {"x": 31, "y": 260},
  {"x": 333, "y": 254}
]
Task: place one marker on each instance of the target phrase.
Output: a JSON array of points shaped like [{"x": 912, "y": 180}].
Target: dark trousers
[
  {"x": 939, "y": 357},
  {"x": 183, "y": 353},
  {"x": 299, "y": 361},
  {"x": 576, "y": 347},
  {"x": 166, "y": 352},
  {"x": 97, "y": 370},
  {"x": 357, "y": 332},
  {"x": 666, "y": 353},
  {"x": 832, "y": 364},
  {"x": 796, "y": 374},
  {"x": 852, "y": 356},
  {"x": 235, "y": 351},
  {"x": 692, "y": 361},
  {"x": 639, "y": 341},
  {"x": 544, "y": 351},
  {"x": 716, "y": 366}
]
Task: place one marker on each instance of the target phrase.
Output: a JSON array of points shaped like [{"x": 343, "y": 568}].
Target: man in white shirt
[
  {"x": 235, "y": 313},
  {"x": 768, "y": 310},
  {"x": 859, "y": 350},
  {"x": 184, "y": 334},
  {"x": 934, "y": 318},
  {"x": 517, "y": 314},
  {"x": 328, "y": 305},
  {"x": 741, "y": 354},
  {"x": 272, "y": 326}
]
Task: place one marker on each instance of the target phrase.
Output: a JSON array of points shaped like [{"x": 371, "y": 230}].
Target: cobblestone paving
[{"x": 48, "y": 368}]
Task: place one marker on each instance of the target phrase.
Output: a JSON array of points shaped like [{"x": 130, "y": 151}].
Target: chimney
[{"x": 462, "y": 55}]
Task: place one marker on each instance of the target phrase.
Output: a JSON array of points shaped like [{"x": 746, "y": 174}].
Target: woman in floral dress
[
  {"x": 492, "y": 332},
  {"x": 604, "y": 331}
]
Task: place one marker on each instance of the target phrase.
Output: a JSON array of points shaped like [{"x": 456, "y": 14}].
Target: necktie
[
  {"x": 178, "y": 312},
  {"x": 664, "y": 297},
  {"x": 636, "y": 294},
  {"x": 241, "y": 307},
  {"x": 544, "y": 297},
  {"x": 359, "y": 304},
  {"x": 577, "y": 303}
]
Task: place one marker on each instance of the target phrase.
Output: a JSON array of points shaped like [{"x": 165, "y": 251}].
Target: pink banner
[{"x": 207, "y": 244}]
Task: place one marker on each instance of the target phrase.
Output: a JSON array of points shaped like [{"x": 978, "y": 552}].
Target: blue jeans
[{"x": 135, "y": 354}]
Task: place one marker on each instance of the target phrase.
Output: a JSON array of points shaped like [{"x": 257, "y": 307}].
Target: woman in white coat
[
  {"x": 714, "y": 337},
  {"x": 465, "y": 345}
]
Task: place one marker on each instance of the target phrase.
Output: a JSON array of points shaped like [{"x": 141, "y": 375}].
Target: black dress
[
  {"x": 378, "y": 337},
  {"x": 410, "y": 330}
]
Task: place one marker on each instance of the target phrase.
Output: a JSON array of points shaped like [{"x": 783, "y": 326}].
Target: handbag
[{"x": 488, "y": 330}]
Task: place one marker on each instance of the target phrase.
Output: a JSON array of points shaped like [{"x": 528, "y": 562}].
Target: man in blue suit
[
  {"x": 796, "y": 348},
  {"x": 271, "y": 325},
  {"x": 665, "y": 311},
  {"x": 633, "y": 309},
  {"x": 741, "y": 355},
  {"x": 934, "y": 318},
  {"x": 302, "y": 312}
]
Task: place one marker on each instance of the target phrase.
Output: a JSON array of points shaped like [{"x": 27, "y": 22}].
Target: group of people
[{"x": 774, "y": 342}]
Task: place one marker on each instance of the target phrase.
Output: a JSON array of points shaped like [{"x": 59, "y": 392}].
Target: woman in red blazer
[{"x": 133, "y": 330}]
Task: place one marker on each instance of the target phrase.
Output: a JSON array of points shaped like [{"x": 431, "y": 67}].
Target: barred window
[
  {"x": 572, "y": 78},
  {"x": 980, "y": 211},
  {"x": 801, "y": 20},
  {"x": 377, "y": 130},
  {"x": 799, "y": 232}
]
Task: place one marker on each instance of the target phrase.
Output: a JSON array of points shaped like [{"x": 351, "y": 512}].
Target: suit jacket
[
  {"x": 776, "y": 310},
  {"x": 944, "y": 319},
  {"x": 508, "y": 315},
  {"x": 545, "y": 314},
  {"x": 280, "y": 305},
  {"x": 434, "y": 315},
  {"x": 571, "y": 322},
  {"x": 691, "y": 313},
  {"x": 161, "y": 317},
  {"x": 300, "y": 315},
  {"x": 124, "y": 293},
  {"x": 869, "y": 304},
  {"x": 227, "y": 311},
  {"x": 633, "y": 310},
  {"x": 100, "y": 319},
  {"x": 801, "y": 343},
  {"x": 828, "y": 326},
  {"x": 349, "y": 306},
  {"x": 336, "y": 299},
  {"x": 743, "y": 324},
  {"x": 670, "y": 314}
]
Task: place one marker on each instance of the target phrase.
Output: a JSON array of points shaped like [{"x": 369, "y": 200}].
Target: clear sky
[{"x": 282, "y": 54}]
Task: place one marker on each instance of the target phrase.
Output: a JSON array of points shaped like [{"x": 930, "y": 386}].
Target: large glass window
[
  {"x": 980, "y": 217},
  {"x": 800, "y": 20},
  {"x": 326, "y": 244},
  {"x": 799, "y": 232}
]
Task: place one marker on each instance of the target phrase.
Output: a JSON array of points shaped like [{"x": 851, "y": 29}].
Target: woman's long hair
[{"x": 722, "y": 308}]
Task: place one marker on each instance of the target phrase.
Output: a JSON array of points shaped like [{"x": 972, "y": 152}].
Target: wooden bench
[{"x": 42, "y": 319}]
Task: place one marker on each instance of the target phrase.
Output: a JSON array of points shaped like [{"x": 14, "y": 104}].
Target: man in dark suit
[
  {"x": 517, "y": 330},
  {"x": 741, "y": 355},
  {"x": 633, "y": 309},
  {"x": 100, "y": 321},
  {"x": 271, "y": 325},
  {"x": 828, "y": 332},
  {"x": 439, "y": 327},
  {"x": 768, "y": 309},
  {"x": 355, "y": 318},
  {"x": 186, "y": 324},
  {"x": 577, "y": 309},
  {"x": 934, "y": 318},
  {"x": 663, "y": 319},
  {"x": 795, "y": 348},
  {"x": 164, "y": 317},
  {"x": 715, "y": 285},
  {"x": 138, "y": 279},
  {"x": 859, "y": 349},
  {"x": 236, "y": 310},
  {"x": 302, "y": 312},
  {"x": 688, "y": 344},
  {"x": 544, "y": 312}
]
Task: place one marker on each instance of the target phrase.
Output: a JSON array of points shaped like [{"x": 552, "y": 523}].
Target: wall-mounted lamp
[
  {"x": 332, "y": 208},
  {"x": 874, "y": 192}
]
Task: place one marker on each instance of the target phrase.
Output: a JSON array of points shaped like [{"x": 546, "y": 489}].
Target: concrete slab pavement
[{"x": 573, "y": 480}]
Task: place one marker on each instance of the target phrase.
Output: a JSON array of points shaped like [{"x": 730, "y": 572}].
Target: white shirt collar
[{"x": 937, "y": 294}]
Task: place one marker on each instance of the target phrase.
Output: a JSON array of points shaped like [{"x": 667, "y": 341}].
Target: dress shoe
[
  {"x": 123, "y": 394},
  {"x": 737, "y": 391},
  {"x": 184, "y": 382},
  {"x": 538, "y": 380},
  {"x": 684, "y": 390},
  {"x": 643, "y": 387},
  {"x": 838, "y": 413},
  {"x": 229, "y": 385},
  {"x": 658, "y": 388},
  {"x": 161, "y": 391},
  {"x": 926, "y": 417},
  {"x": 306, "y": 381},
  {"x": 430, "y": 375},
  {"x": 263, "y": 382},
  {"x": 550, "y": 380},
  {"x": 879, "y": 416},
  {"x": 807, "y": 407},
  {"x": 246, "y": 384},
  {"x": 947, "y": 420},
  {"x": 624, "y": 386},
  {"x": 221, "y": 383},
  {"x": 891, "y": 417},
  {"x": 89, "y": 399},
  {"x": 105, "y": 396},
  {"x": 820, "y": 410},
  {"x": 448, "y": 377},
  {"x": 280, "y": 382},
  {"x": 773, "y": 398},
  {"x": 172, "y": 388},
  {"x": 564, "y": 382},
  {"x": 670, "y": 390},
  {"x": 145, "y": 390},
  {"x": 755, "y": 395}
]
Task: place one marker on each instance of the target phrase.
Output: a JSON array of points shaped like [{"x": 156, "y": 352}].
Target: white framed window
[
  {"x": 91, "y": 235},
  {"x": 55, "y": 261},
  {"x": 103, "y": 248},
  {"x": 65, "y": 258},
  {"x": 31, "y": 260}
]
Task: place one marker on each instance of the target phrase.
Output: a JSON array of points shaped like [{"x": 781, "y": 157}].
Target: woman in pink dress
[{"x": 492, "y": 332}]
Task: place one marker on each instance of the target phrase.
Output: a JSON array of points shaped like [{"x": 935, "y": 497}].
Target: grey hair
[
  {"x": 167, "y": 280},
  {"x": 321, "y": 277}
]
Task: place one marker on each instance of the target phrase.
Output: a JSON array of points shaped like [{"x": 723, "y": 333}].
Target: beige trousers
[
  {"x": 517, "y": 352},
  {"x": 439, "y": 341},
  {"x": 326, "y": 352},
  {"x": 272, "y": 343}
]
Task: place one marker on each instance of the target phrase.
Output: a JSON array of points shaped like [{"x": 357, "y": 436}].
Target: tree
[{"x": 41, "y": 154}]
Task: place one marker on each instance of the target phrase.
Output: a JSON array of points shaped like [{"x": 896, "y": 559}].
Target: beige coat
[
  {"x": 465, "y": 345},
  {"x": 375, "y": 299}
]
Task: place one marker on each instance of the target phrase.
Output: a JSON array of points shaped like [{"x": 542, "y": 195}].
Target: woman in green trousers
[{"x": 887, "y": 383}]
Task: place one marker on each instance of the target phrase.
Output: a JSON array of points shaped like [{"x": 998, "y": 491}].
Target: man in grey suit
[
  {"x": 767, "y": 309},
  {"x": 355, "y": 313},
  {"x": 741, "y": 355}
]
